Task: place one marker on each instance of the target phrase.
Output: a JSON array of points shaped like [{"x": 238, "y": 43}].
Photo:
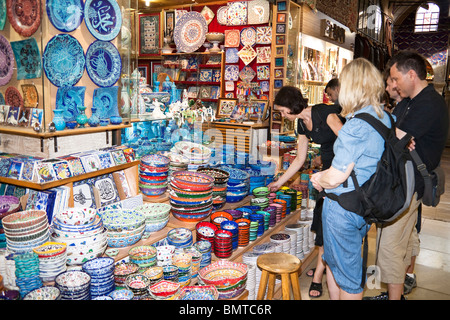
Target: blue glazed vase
[
  {"x": 58, "y": 119},
  {"x": 82, "y": 119},
  {"x": 94, "y": 120}
]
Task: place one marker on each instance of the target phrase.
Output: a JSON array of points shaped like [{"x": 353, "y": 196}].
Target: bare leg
[
  {"x": 318, "y": 274},
  {"x": 395, "y": 291},
  {"x": 333, "y": 288}
]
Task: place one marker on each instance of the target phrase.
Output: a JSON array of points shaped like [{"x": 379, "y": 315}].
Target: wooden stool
[{"x": 284, "y": 264}]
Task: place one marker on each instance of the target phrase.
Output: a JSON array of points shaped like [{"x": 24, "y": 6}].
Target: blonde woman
[{"x": 358, "y": 147}]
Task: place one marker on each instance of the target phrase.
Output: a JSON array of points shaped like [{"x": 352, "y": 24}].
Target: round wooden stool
[{"x": 283, "y": 264}]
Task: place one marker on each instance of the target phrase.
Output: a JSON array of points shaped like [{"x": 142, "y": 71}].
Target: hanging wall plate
[
  {"x": 28, "y": 58},
  {"x": 103, "y": 18},
  {"x": 63, "y": 60},
  {"x": 103, "y": 63},
  {"x": 2, "y": 14},
  {"x": 24, "y": 16},
  {"x": 66, "y": 16},
  {"x": 190, "y": 32},
  {"x": 6, "y": 61}
]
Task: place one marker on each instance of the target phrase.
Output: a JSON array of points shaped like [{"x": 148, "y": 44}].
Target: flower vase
[
  {"x": 58, "y": 119},
  {"x": 82, "y": 119},
  {"x": 94, "y": 120}
]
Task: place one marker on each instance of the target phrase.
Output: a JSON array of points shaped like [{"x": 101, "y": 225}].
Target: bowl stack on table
[
  {"x": 178, "y": 162},
  {"x": 164, "y": 255},
  {"x": 25, "y": 230},
  {"x": 83, "y": 232},
  {"x": 164, "y": 290},
  {"x": 243, "y": 231},
  {"x": 156, "y": 215},
  {"x": 74, "y": 285},
  {"x": 197, "y": 154},
  {"x": 8, "y": 205},
  {"x": 52, "y": 260},
  {"x": 154, "y": 274},
  {"x": 183, "y": 262},
  {"x": 122, "y": 270},
  {"x": 256, "y": 179},
  {"x": 282, "y": 238},
  {"x": 198, "y": 293},
  {"x": 228, "y": 277},
  {"x": 180, "y": 237},
  {"x": 191, "y": 195},
  {"x": 220, "y": 185},
  {"x": 223, "y": 246},
  {"x": 232, "y": 227},
  {"x": 238, "y": 184},
  {"x": 284, "y": 206},
  {"x": 122, "y": 294},
  {"x": 196, "y": 257},
  {"x": 44, "y": 293},
  {"x": 204, "y": 247},
  {"x": 27, "y": 272},
  {"x": 125, "y": 227},
  {"x": 170, "y": 272},
  {"x": 143, "y": 256},
  {"x": 287, "y": 199},
  {"x": 236, "y": 214},
  {"x": 153, "y": 175},
  {"x": 138, "y": 284},
  {"x": 205, "y": 231},
  {"x": 101, "y": 271},
  {"x": 259, "y": 218}
]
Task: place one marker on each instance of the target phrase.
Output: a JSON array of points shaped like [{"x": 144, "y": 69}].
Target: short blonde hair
[{"x": 361, "y": 85}]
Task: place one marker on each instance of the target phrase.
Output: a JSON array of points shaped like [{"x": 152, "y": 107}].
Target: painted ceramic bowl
[
  {"x": 198, "y": 293},
  {"x": 50, "y": 249},
  {"x": 122, "y": 294},
  {"x": 23, "y": 219},
  {"x": 44, "y": 293},
  {"x": 223, "y": 273},
  {"x": 122, "y": 219},
  {"x": 77, "y": 216},
  {"x": 164, "y": 289},
  {"x": 155, "y": 160}
]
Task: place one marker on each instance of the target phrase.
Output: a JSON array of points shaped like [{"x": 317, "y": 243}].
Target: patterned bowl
[
  {"x": 223, "y": 273},
  {"x": 164, "y": 288},
  {"x": 44, "y": 293},
  {"x": 198, "y": 293},
  {"x": 77, "y": 216},
  {"x": 122, "y": 219},
  {"x": 23, "y": 219},
  {"x": 122, "y": 294}
]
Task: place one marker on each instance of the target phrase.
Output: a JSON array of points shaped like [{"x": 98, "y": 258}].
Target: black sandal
[{"x": 315, "y": 287}]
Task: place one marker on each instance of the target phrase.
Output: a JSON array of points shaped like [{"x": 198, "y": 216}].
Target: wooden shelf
[
  {"x": 57, "y": 183},
  {"x": 29, "y": 132},
  {"x": 212, "y": 83}
]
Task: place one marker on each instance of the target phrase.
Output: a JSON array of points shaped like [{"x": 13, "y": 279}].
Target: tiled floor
[{"x": 433, "y": 263}]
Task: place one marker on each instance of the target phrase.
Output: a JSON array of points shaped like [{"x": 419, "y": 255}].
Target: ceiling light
[{"x": 147, "y": 3}]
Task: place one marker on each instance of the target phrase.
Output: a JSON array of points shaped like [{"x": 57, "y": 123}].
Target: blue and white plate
[
  {"x": 66, "y": 16},
  {"x": 103, "y": 18},
  {"x": 63, "y": 60},
  {"x": 28, "y": 58},
  {"x": 190, "y": 32},
  {"x": 103, "y": 63}
]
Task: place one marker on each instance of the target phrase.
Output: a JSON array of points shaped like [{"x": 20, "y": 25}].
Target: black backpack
[{"x": 389, "y": 190}]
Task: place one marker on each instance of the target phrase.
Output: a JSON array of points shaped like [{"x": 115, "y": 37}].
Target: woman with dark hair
[{"x": 320, "y": 124}]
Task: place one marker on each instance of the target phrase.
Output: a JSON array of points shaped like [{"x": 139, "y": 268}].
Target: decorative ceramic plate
[
  {"x": 13, "y": 97},
  {"x": 190, "y": 32},
  {"x": 263, "y": 54},
  {"x": 30, "y": 96},
  {"x": 247, "y": 74},
  {"x": 24, "y": 16},
  {"x": 247, "y": 54},
  {"x": 66, "y": 16},
  {"x": 248, "y": 36},
  {"x": 2, "y": 14},
  {"x": 258, "y": 11},
  {"x": 28, "y": 58},
  {"x": 103, "y": 63},
  {"x": 63, "y": 60},
  {"x": 263, "y": 35},
  {"x": 6, "y": 61},
  {"x": 222, "y": 15},
  {"x": 237, "y": 13},
  {"x": 208, "y": 14},
  {"x": 68, "y": 99},
  {"x": 103, "y": 18},
  {"x": 232, "y": 37},
  {"x": 231, "y": 55},
  {"x": 232, "y": 73}
]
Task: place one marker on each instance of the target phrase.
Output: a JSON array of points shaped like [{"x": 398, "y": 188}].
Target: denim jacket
[{"x": 358, "y": 142}]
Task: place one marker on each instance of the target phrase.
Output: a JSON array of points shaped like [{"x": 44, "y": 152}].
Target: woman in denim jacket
[{"x": 358, "y": 147}]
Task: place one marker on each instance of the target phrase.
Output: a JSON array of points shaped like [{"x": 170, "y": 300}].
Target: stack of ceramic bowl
[
  {"x": 8, "y": 205},
  {"x": 293, "y": 194},
  {"x": 164, "y": 290},
  {"x": 272, "y": 210},
  {"x": 138, "y": 284},
  {"x": 256, "y": 180},
  {"x": 223, "y": 247},
  {"x": 153, "y": 174},
  {"x": 180, "y": 237},
  {"x": 44, "y": 293},
  {"x": 191, "y": 195},
  {"x": 266, "y": 216},
  {"x": 204, "y": 247},
  {"x": 196, "y": 258},
  {"x": 178, "y": 162},
  {"x": 27, "y": 272},
  {"x": 257, "y": 217},
  {"x": 243, "y": 231},
  {"x": 101, "y": 271},
  {"x": 262, "y": 203},
  {"x": 205, "y": 231},
  {"x": 74, "y": 285},
  {"x": 302, "y": 193},
  {"x": 25, "y": 230},
  {"x": 52, "y": 260},
  {"x": 220, "y": 185},
  {"x": 122, "y": 270},
  {"x": 219, "y": 216},
  {"x": 84, "y": 241},
  {"x": 125, "y": 227},
  {"x": 143, "y": 256},
  {"x": 156, "y": 215},
  {"x": 198, "y": 293},
  {"x": 232, "y": 227},
  {"x": 197, "y": 154},
  {"x": 293, "y": 241},
  {"x": 253, "y": 230},
  {"x": 122, "y": 294},
  {"x": 250, "y": 259},
  {"x": 287, "y": 199},
  {"x": 170, "y": 273},
  {"x": 228, "y": 277},
  {"x": 283, "y": 204},
  {"x": 282, "y": 238},
  {"x": 164, "y": 255},
  {"x": 245, "y": 212},
  {"x": 251, "y": 282},
  {"x": 183, "y": 262},
  {"x": 238, "y": 184},
  {"x": 297, "y": 227},
  {"x": 154, "y": 274}
]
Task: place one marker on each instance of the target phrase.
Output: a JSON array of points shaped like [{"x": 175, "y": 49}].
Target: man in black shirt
[{"x": 423, "y": 114}]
